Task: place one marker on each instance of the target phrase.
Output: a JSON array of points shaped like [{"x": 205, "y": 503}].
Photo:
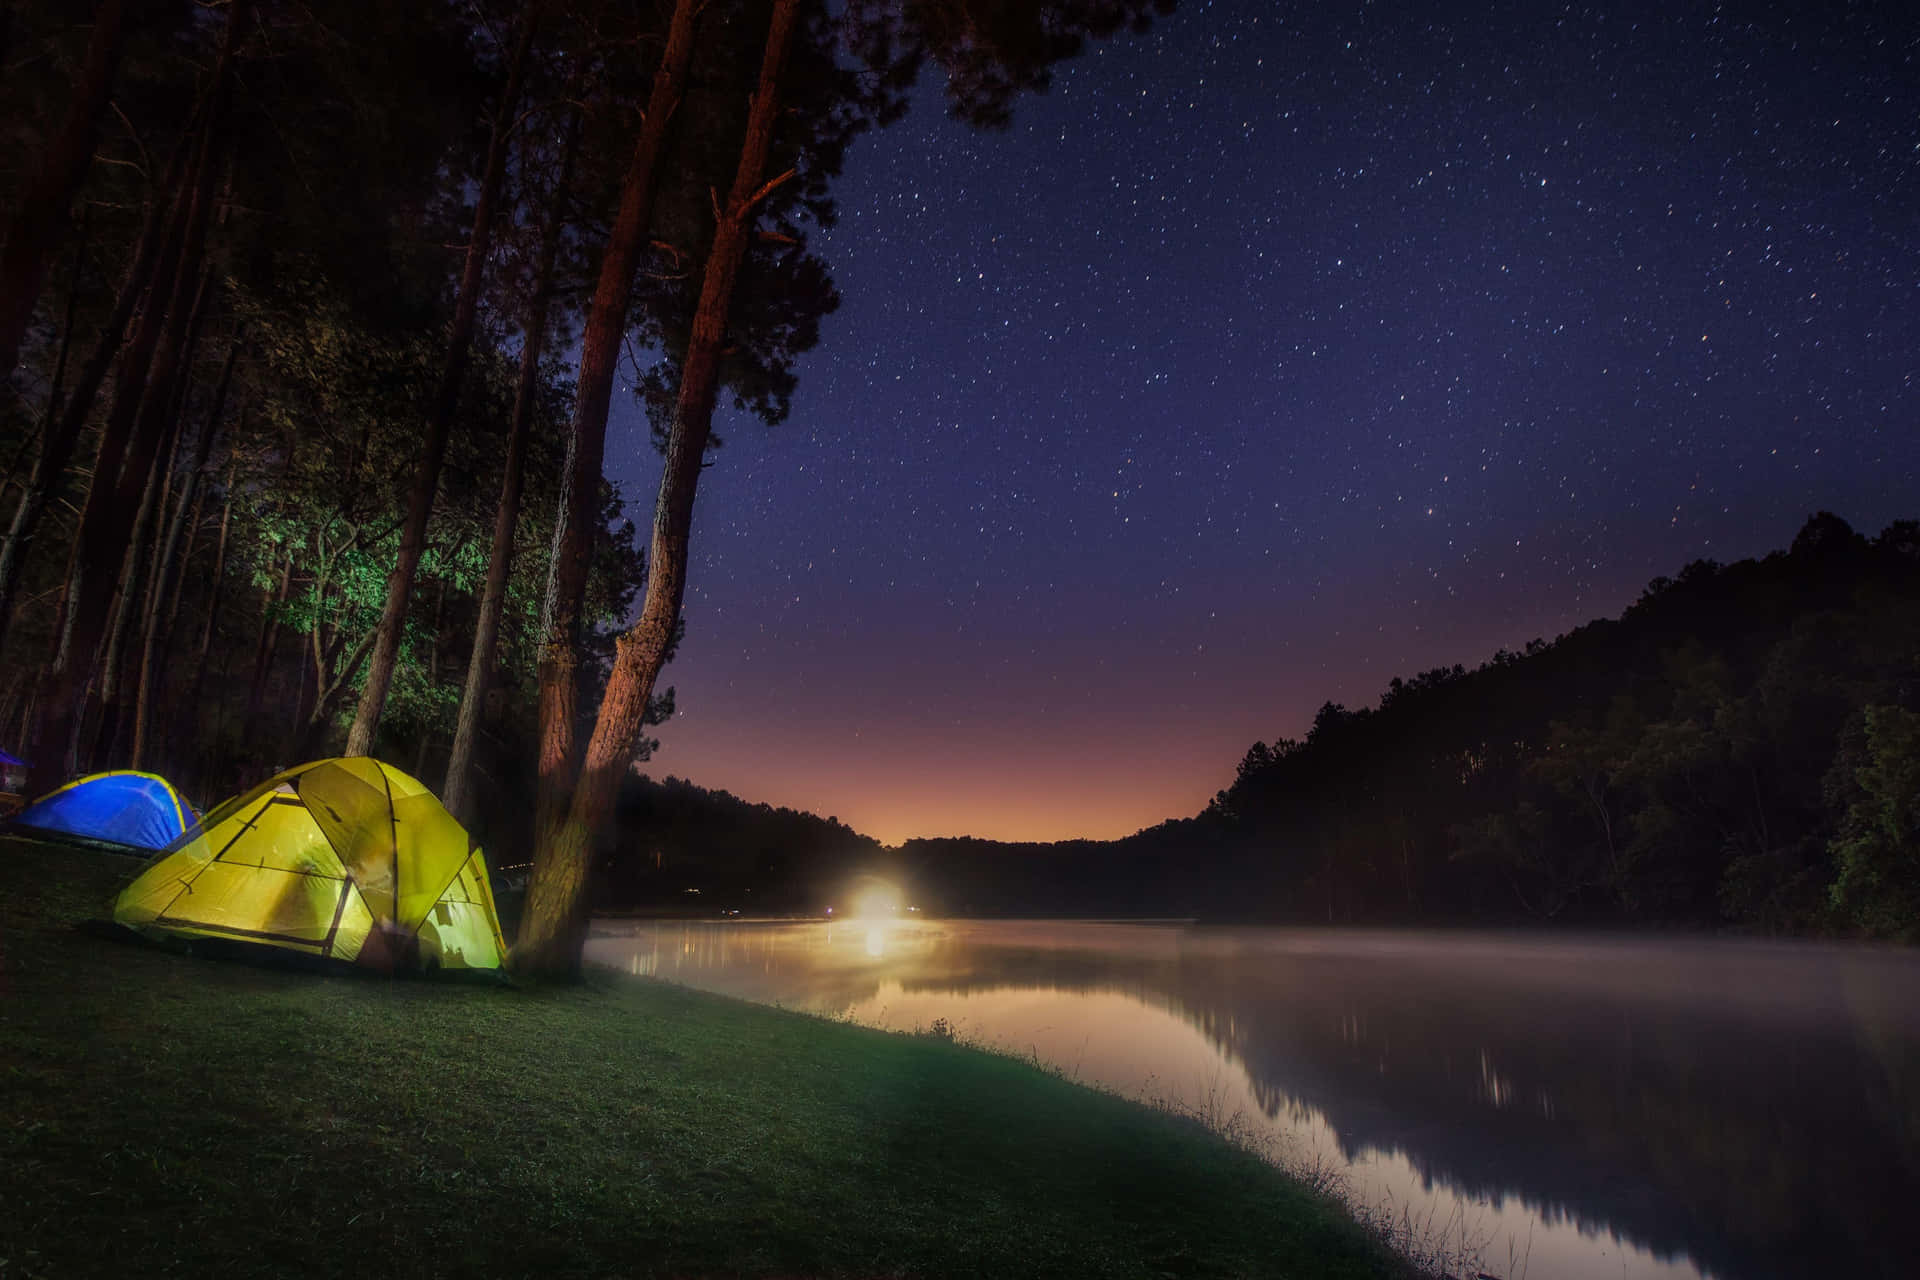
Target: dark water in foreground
[{"x": 1575, "y": 1107}]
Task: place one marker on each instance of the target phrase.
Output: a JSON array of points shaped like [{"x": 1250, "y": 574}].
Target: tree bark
[
  {"x": 328, "y": 696},
  {"x": 166, "y": 574},
  {"x": 553, "y": 931},
  {"x": 34, "y": 231},
  {"x": 269, "y": 638},
  {"x": 218, "y": 580},
  {"x": 433, "y": 450},
  {"x": 575, "y": 527},
  {"x": 493, "y": 599},
  {"x": 136, "y": 574},
  {"x": 216, "y": 596},
  {"x": 143, "y": 393}
]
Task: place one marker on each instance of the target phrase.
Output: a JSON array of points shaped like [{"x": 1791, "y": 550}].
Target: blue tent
[
  {"x": 140, "y": 810},
  {"x": 8, "y": 761}
]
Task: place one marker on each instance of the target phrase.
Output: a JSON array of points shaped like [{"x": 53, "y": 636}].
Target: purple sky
[{"x": 1263, "y": 360}]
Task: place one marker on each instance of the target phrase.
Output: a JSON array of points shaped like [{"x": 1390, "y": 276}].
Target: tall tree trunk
[
  {"x": 433, "y": 450},
  {"x": 553, "y": 929},
  {"x": 576, "y": 526},
  {"x": 16, "y": 693},
  {"x": 271, "y": 602},
  {"x": 295, "y": 743},
  {"x": 34, "y": 232},
  {"x": 63, "y": 431},
  {"x": 184, "y": 555},
  {"x": 493, "y": 599},
  {"x": 143, "y": 394},
  {"x": 154, "y": 704},
  {"x": 218, "y": 580},
  {"x": 166, "y": 575},
  {"x": 59, "y": 375},
  {"x": 137, "y": 580},
  {"x": 135, "y": 575},
  {"x": 216, "y": 596},
  {"x": 28, "y": 709},
  {"x": 52, "y": 408}
]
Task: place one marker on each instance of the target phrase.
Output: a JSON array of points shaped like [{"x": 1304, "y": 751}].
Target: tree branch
[{"x": 772, "y": 185}]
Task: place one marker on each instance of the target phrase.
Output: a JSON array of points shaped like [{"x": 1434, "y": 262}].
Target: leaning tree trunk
[
  {"x": 486, "y": 630},
  {"x": 433, "y": 449},
  {"x": 143, "y": 394},
  {"x": 34, "y": 232},
  {"x": 575, "y": 527},
  {"x": 553, "y": 930}
]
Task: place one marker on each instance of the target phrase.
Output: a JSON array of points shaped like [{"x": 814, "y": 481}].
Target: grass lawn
[{"x": 163, "y": 1114}]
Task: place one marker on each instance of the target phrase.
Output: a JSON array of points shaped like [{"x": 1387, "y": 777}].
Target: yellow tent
[{"x": 345, "y": 859}]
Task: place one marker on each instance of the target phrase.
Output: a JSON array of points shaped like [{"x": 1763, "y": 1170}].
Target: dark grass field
[{"x": 166, "y": 1114}]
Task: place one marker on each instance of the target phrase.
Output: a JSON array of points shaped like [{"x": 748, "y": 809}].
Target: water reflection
[{"x": 1606, "y": 1107}]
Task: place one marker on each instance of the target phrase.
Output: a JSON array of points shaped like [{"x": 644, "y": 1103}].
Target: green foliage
[
  {"x": 1877, "y": 849},
  {"x": 1518, "y": 845}
]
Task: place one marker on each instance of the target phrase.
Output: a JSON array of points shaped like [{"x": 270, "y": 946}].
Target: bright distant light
[{"x": 876, "y": 900}]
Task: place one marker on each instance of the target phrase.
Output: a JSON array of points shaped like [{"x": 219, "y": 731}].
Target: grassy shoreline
[{"x": 174, "y": 1115}]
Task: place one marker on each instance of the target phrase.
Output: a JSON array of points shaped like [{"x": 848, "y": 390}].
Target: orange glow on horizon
[
  {"x": 897, "y": 795},
  {"x": 910, "y": 747}
]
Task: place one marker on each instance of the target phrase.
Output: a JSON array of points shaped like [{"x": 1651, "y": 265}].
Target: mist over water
[{"x": 1575, "y": 1106}]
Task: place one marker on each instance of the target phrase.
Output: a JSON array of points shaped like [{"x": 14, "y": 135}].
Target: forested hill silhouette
[
  {"x": 1740, "y": 748},
  {"x": 676, "y": 844}
]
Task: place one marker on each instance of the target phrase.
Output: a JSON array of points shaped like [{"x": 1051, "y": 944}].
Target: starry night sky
[{"x": 1274, "y": 354}]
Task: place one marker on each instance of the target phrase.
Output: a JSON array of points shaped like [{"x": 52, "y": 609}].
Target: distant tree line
[
  {"x": 1740, "y": 749},
  {"x": 676, "y": 845}
]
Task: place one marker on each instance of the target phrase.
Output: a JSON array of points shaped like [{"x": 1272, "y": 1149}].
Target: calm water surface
[{"x": 1578, "y": 1108}]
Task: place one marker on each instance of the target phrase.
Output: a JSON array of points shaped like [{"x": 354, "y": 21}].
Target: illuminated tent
[
  {"x": 345, "y": 859},
  {"x": 140, "y": 811}
]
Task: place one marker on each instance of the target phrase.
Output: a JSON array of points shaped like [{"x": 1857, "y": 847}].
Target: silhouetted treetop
[{"x": 992, "y": 51}]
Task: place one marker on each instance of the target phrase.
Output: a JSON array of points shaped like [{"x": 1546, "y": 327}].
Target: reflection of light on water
[{"x": 1128, "y": 1039}]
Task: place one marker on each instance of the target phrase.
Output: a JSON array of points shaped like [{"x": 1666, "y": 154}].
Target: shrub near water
[{"x": 175, "y": 1115}]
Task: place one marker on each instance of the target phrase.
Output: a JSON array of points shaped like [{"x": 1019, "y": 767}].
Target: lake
[{"x": 1572, "y": 1106}]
